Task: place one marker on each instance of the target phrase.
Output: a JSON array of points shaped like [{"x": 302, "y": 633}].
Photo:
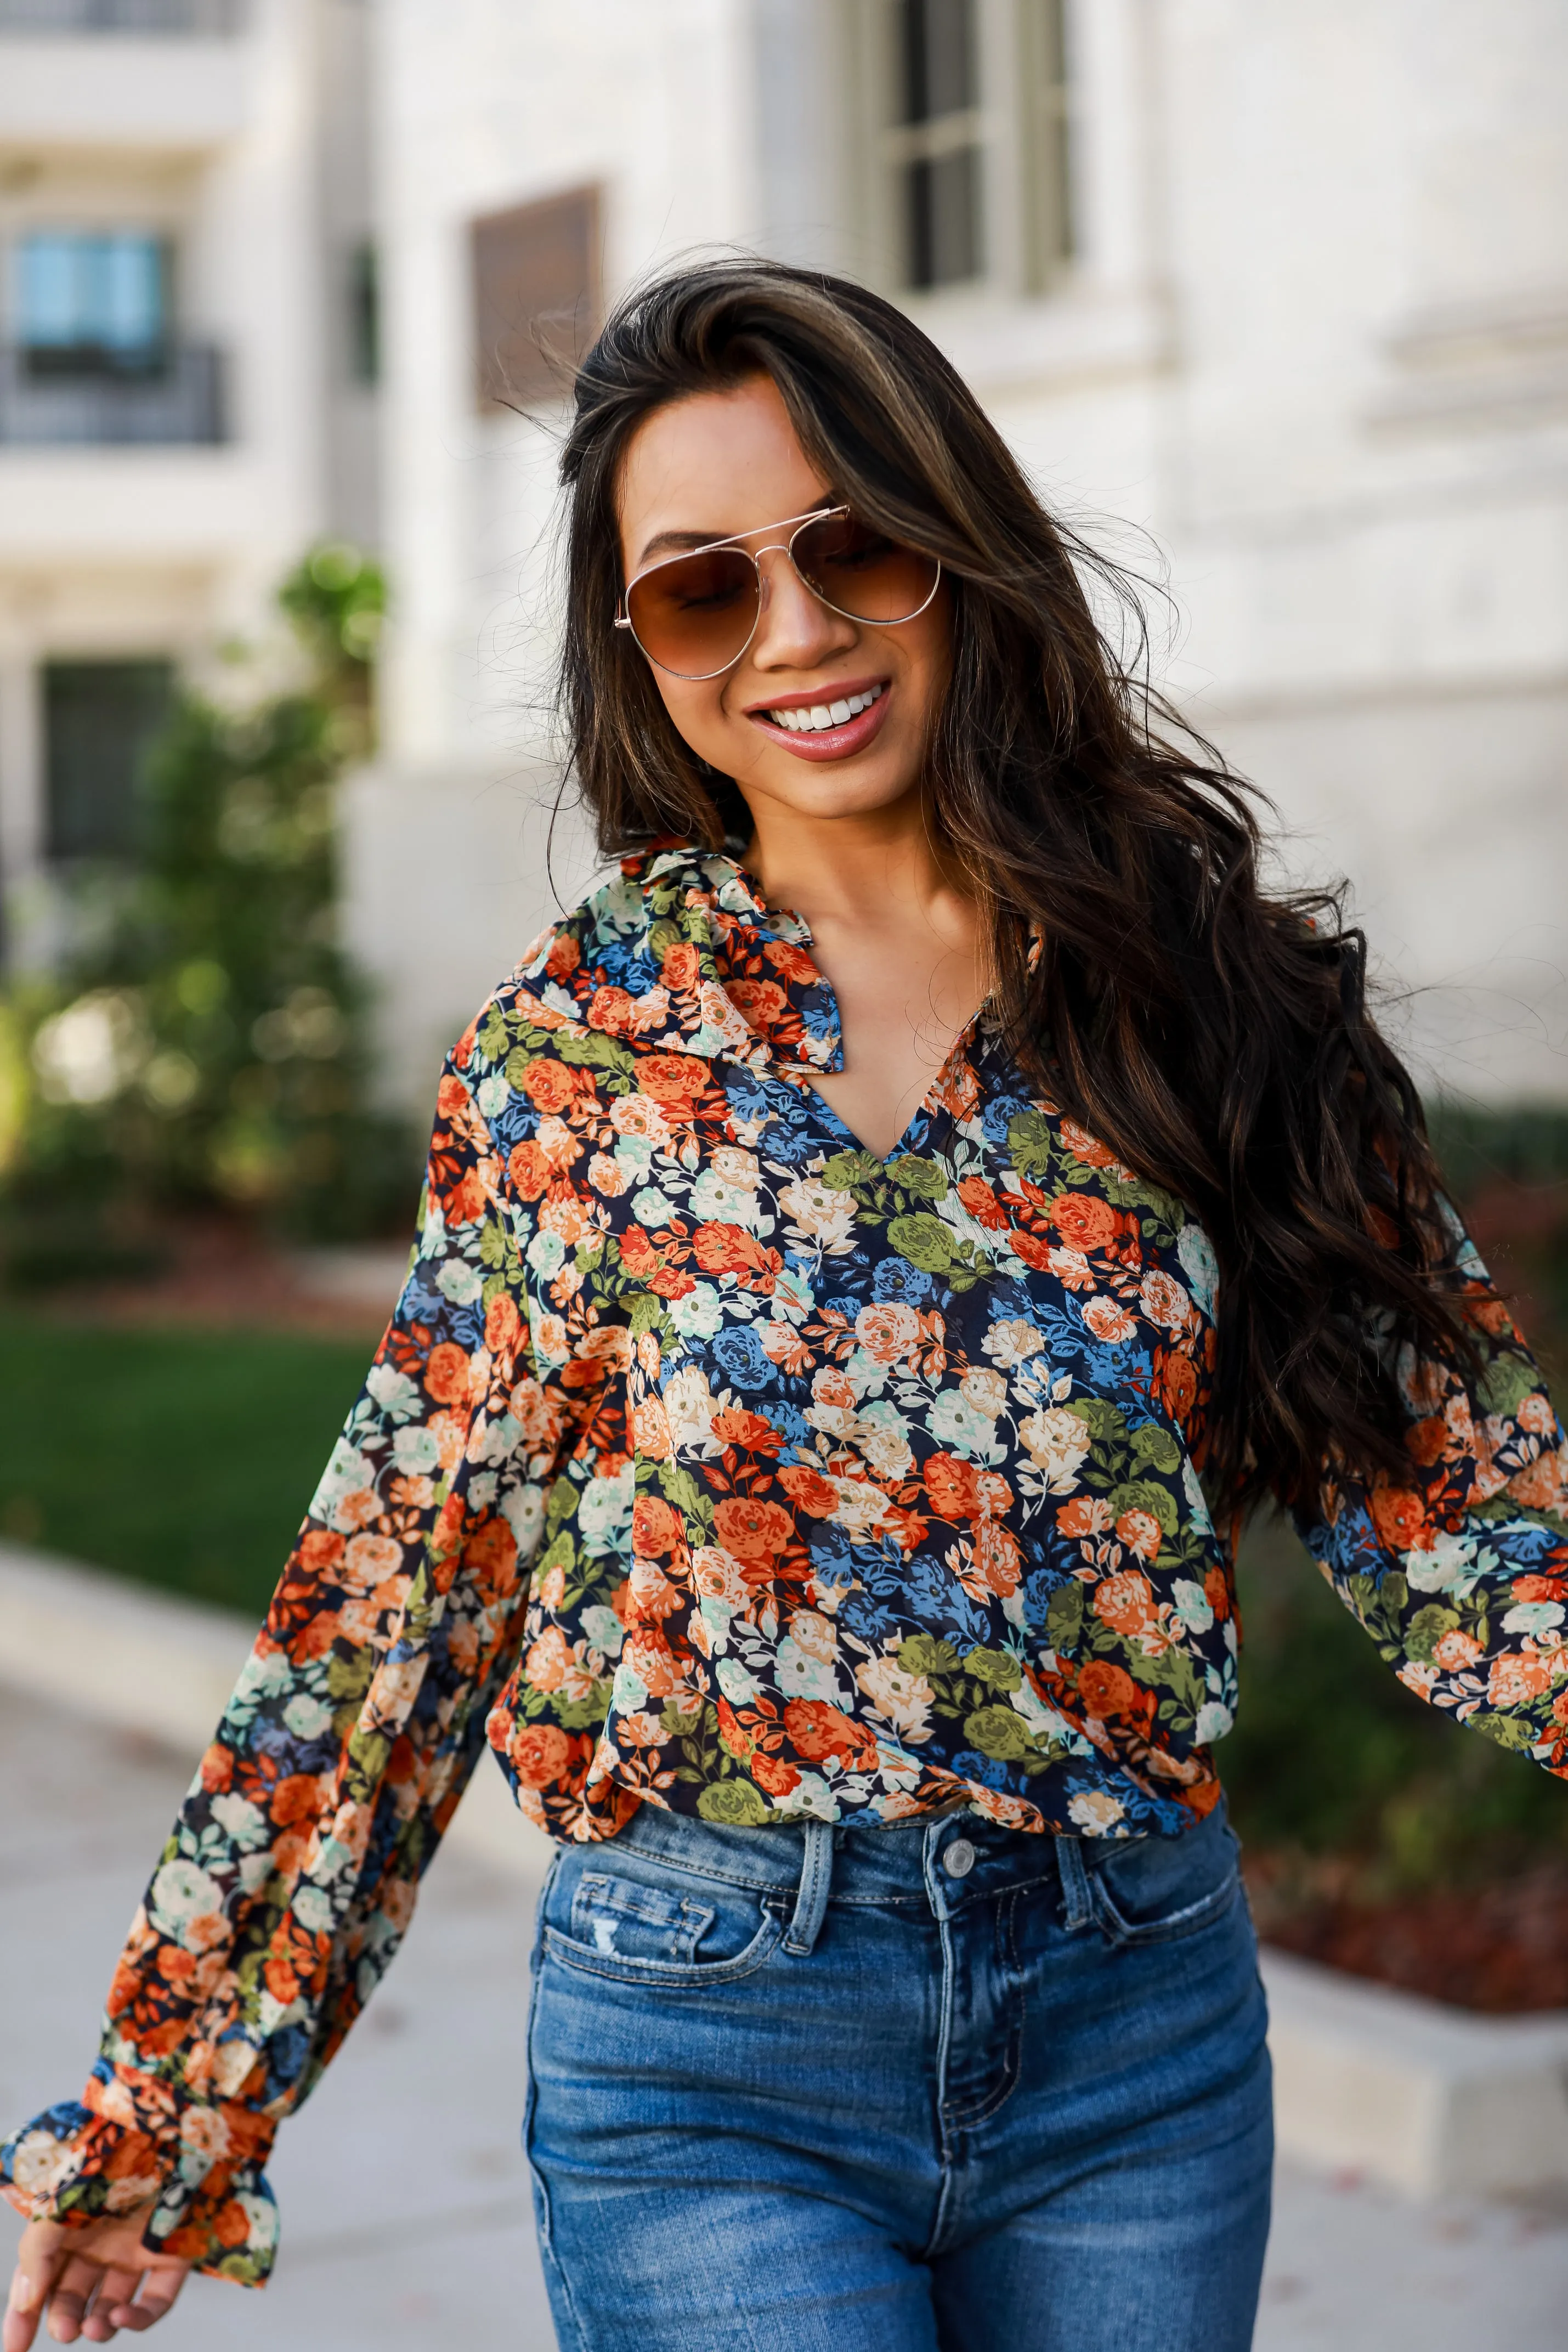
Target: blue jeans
[{"x": 895, "y": 2089}]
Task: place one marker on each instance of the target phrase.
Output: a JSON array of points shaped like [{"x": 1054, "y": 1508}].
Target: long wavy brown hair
[{"x": 1215, "y": 1036}]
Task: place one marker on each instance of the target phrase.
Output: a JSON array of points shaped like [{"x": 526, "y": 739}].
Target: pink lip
[{"x": 831, "y": 742}]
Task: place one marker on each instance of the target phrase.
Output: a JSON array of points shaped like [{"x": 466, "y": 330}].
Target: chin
[{"x": 833, "y": 791}]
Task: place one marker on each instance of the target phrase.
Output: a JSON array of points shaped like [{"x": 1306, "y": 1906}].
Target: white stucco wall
[{"x": 1315, "y": 340}]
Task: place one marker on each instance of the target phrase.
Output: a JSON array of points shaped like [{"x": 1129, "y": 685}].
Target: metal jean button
[{"x": 959, "y": 1859}]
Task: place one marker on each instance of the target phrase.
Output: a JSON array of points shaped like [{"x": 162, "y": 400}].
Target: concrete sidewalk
[{"x": 405, "y": 2205}]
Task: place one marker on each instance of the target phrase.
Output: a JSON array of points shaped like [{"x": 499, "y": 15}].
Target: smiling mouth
[{"x": 816, "y": 718}]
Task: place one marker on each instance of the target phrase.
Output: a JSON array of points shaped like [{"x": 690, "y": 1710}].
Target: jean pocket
[
  {"x": 631, "y": 1921},
  {"x": 643, "y": 1930},
  {"x": 1157, "y": 1890}
]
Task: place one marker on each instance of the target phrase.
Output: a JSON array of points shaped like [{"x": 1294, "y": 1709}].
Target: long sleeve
[
  {"x": 291, "y": 1874},
  {"x": 1458, "y": 1567}
]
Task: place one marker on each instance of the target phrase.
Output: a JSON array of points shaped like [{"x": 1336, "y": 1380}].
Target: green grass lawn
[{"x": 186, "y": 1458}]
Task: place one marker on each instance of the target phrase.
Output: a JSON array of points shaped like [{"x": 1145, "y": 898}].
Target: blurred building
[
  {"x": 186, "y": 357},
  {"x": 1285, "y": 287}
]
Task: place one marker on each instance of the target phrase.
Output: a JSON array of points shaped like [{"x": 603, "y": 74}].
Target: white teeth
[{"x": 812, "y": 720}]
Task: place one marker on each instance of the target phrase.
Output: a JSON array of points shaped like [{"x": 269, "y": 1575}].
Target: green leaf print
[
  {"x": 924, "y": 1653},
  {"x": 846, "y": 1169},
  {"x": 349, "y": 1678},
  {"x": 1509, "y": 1380},
  {"x": 735, "y": 1803},
  {"x": 1503, "y": 1730},
  {"x": 1156, "y": 1446},
  {"x": 561, "y": 1554},
  {"x": 1032, "y": 1140},
  {"x": 1426, "y": 1629},
  {"x": 646, "y": 1313},
  {"x": 997, "y": 1732},
  {"x": 1143, "y": 1495},
  {"x": 492, "y": 1039},
  {"x": 681, "y": 1490},
  {"x": 996, "y": 1669},
  {"x": 1098, "y": 1415},
  {"x": 590, "y": 1049},
  {"x": 923, "y": 1178},
  {"x": 1064, "y": 1617},
  {"x": 923, "y": 1239}
]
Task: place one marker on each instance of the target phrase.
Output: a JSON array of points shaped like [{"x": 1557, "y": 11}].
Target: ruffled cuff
[{"x": 211, "y": 2205}]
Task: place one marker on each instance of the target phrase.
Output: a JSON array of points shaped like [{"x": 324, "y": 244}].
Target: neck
[{"x": 850, "y": 870}]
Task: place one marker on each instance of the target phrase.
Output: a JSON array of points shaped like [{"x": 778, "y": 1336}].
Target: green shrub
[{"x": 208, "y": 1043}]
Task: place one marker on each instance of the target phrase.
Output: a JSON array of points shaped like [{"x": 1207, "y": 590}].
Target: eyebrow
[
  {"x": 680, "y": 542},
  {"x": 677, "y": 542}
]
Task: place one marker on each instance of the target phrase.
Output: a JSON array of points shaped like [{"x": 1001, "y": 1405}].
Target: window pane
[
  {"x": 938, "y": 58},
  {"x": 99, "y": 720},
  {"x": 536, "y": 297},
  {"x": 364, "y": 316},
  {"x": 92, "y": 290},
  {"x": 945, "y": 219},
  {"x": 1046, "y": 127},
  {"x": 48, "y": 301}
]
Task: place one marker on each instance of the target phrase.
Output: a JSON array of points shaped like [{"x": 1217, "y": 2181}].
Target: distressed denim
[{"x": 871, "y": 2090}]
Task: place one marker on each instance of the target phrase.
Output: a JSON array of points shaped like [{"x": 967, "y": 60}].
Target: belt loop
[
  {"x": 1077, "y": 1909},
  {"x": 816, "y": 1878}
]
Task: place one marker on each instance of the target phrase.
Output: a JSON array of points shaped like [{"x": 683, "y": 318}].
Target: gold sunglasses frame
[{"x": 795, "y": 525}]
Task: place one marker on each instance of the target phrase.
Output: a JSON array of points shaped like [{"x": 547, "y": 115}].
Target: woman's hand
[{"x": 91, "y": 2280}]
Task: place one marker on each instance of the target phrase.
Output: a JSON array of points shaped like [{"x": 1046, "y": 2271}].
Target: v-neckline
[{"x": 804, "y": 1081}]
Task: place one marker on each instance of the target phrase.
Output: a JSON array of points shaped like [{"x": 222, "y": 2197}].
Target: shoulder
[{"x": 606, "y": 942}]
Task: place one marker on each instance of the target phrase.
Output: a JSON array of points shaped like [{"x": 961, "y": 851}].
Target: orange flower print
[
  {"x": 1109, "y": 1322},
  {"x": 1106, "y": 1689},
  {"x": 710, "y": 1445},
  {"x": 548, "y": 1085},
  {"x": 1125, "y": 1601},
  {"x": 809, "y": 1491},
  {"x": 1086, "y": 1515},
  {"x": 538, "y": 1753},
  {"x": 753, "y": 1531},
  {"x": 953, "y": 1486},
  {"x": 1141, "y": 1532},
  {"x": 1400, "y": 1519},
  {"x": 673, "y": 1079},
  {"x": 1516, "y": 1678},
  {"x": 1084, "y": 1219},
  {"x": 446, "y": 1373}
]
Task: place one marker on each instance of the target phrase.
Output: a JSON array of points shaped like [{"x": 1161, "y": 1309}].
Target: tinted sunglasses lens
[
  {"x": 858, "y": 570},
  {"x": 693, "y": 616}
]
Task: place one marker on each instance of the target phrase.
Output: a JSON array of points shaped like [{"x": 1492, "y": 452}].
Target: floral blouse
[{"x": 711, "y": 1461}]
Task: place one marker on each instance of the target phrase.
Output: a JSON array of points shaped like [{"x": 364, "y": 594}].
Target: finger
[
  {"x": 39, "y": 2259},
  {"x": 161, "y": 2284},
  {"x": 117, "y": 2288},
  {"x": 73, "y": 2292}
]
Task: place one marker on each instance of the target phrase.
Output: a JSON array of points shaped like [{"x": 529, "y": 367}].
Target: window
[
  {"x": 364, "y": 316},
  {"x": 937, "y": 148},
  {"x": 119, "y": 15},
  {"x": 100, "y": 721},
  {"x": 965, "y": 176},
  {"x": 536, "y": 297},
  {"x": 92, "y": 301}
]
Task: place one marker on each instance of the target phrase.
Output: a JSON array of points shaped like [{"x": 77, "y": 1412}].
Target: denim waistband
[{"x": 943, "y": 1864}]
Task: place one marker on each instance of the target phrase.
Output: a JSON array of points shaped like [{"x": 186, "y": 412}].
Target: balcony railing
[
  {"x": 48, "y": 18},
  {"x": 179, "y": 398}
]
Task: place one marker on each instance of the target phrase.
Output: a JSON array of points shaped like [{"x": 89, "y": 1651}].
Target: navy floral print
[{"x": 712, "y": 1463}]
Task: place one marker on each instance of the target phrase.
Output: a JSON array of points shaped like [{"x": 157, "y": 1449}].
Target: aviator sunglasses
[{"x": 693, "y": 615}]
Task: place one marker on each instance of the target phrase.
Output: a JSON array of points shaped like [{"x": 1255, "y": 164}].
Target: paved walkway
[{"x": 404, "y": 2199}]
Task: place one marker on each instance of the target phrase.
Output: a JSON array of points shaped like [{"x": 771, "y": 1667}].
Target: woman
[{"x": 848, "y": 1240}]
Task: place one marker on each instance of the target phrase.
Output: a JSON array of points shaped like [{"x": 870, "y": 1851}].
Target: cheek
[{"x": 696, "y": 710}]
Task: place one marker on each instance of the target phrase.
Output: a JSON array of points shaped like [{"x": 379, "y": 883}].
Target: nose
[{"x": 795, "y": 630}]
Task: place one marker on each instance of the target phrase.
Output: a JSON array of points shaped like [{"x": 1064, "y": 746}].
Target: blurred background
[{"x": 1273, "y": 296}]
